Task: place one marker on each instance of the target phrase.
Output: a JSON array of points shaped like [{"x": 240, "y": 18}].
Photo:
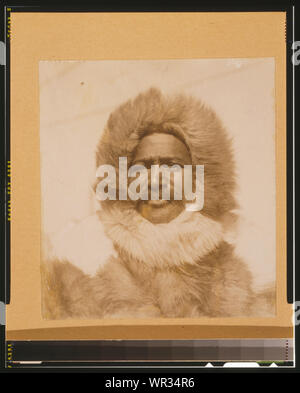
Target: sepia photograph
[{"x": 158, "y": 188}]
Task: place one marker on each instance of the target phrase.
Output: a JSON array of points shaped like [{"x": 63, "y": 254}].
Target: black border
[
  {"x": 289, "y": 159},
  {"x": 117, "y": 6}
]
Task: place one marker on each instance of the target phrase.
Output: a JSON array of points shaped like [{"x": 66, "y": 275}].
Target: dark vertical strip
[
  {"x": 8, "y": 177},
  {"x": 2, "y": 190},
  {"x": 297, "y": 106},
  {"x": 2, "y": 164},
  {"x": 289, "y": 141}
]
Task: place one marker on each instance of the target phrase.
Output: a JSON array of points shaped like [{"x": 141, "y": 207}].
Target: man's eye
[
  {"x": 139, "y": 163},
  {"x": 177, "y": 165}
]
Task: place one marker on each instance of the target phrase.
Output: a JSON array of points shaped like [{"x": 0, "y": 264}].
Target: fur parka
[{"x": 184, "y": 268}]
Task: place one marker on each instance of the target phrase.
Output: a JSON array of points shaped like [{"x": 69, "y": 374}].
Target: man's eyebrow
[
  {"x": 172, "y": 158},
  {"x": 150, "y": 159}
]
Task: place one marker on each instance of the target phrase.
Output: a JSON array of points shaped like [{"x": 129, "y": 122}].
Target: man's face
[{"x": 159, "y": 149}]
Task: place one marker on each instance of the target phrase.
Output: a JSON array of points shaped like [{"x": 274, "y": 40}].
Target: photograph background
[{"x": 76, "y": 98}]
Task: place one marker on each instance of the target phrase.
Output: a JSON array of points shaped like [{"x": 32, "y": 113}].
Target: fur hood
[
  {"x": 195, "y": 124},
  {"x": 184, "y": 240},
  {"x": 194, "y": 233}
]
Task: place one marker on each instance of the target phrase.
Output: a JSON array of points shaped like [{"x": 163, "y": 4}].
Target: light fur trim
[{"x": 186, "y": 239}]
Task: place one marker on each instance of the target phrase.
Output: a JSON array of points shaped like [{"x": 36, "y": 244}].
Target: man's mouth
[
  {"x": 160, "y": 211},
  {"x": 159, "y": 203}
]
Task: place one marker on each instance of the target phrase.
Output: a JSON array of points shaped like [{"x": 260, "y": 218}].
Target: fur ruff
[
  {"x": 196, "y": 124},
  {"x": 193, "y": 234}
]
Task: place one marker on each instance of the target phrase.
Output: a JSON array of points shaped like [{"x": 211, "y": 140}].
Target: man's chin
[
  {"x": 158, "y": 204},
  {"x": 161, "y": 211}
]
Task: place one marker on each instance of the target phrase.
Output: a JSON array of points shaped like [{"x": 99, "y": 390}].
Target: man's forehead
[{"x": 161, "y": 145}]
